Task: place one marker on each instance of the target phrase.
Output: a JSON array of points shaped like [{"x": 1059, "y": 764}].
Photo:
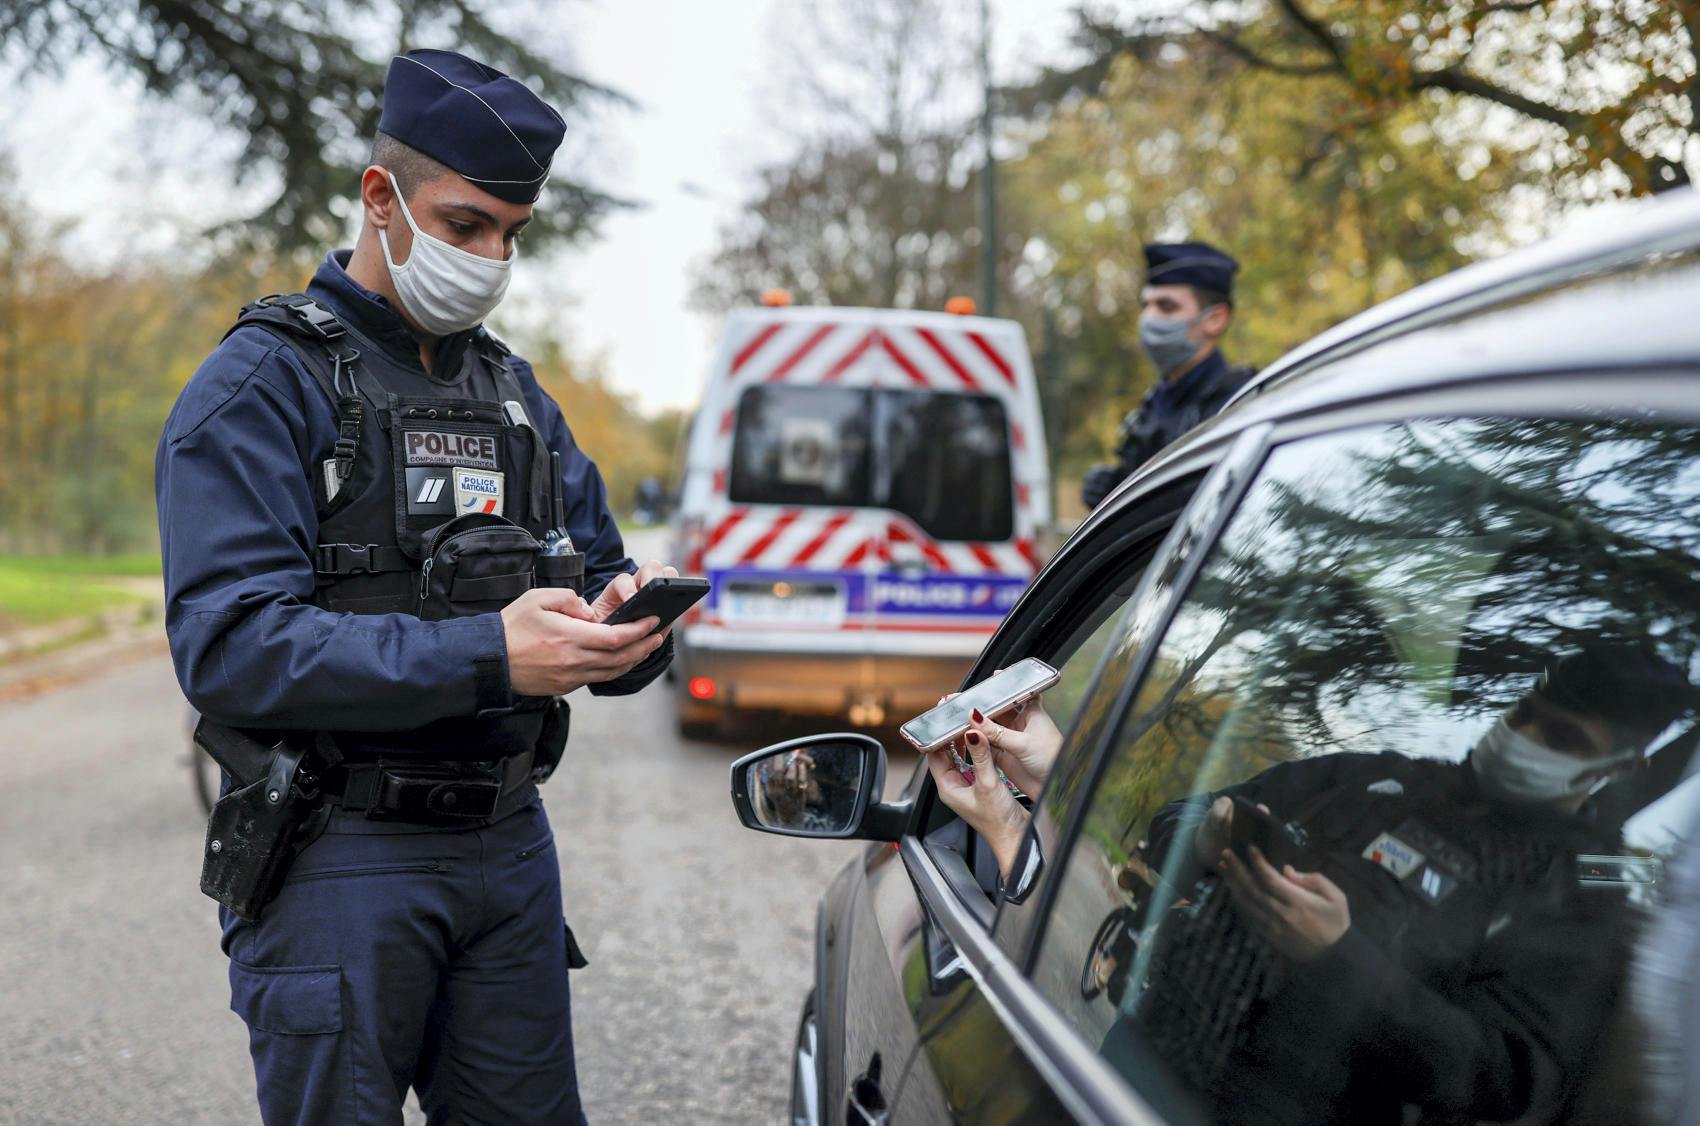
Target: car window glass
[
  {"x": 1445, "y": 670},
  {"x": 946, "y": 464},
  {"x": 801, "y": 445},
  {"x": 1082, "y": 652},
  {"x": 1075, "y": 658}
]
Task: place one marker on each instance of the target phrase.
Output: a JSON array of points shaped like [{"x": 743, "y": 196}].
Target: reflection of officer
[
  {"x": 1186, "y": 306},
  {"x": 306, "y": 480},
  {"x": 1443, "y": 954}
]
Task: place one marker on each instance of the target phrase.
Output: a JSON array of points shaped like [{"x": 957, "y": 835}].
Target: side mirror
[{"x": 818, "y": 786}]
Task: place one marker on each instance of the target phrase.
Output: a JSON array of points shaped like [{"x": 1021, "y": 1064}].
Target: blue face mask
[{"x": 1167, "y": 342}]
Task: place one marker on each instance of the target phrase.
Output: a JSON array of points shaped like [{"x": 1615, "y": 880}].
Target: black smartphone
[
  {"x": 1279, "y": 842},
  {"x": 665, "y": 598}
]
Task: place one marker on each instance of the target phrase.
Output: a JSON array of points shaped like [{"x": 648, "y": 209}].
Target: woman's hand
[
  {"x": 1024, "y": 744},
  {"x": 985, "y": 803}
]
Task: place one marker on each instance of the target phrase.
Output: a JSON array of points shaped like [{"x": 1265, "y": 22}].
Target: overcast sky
[{"x": 132, "y": 174}]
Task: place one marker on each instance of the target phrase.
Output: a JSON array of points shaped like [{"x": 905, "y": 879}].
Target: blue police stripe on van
[
  {"x": 952, "y": 595},
  {"x": 892, "y": 594}
]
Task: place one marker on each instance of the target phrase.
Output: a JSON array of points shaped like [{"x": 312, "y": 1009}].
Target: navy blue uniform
[
  {"x": 233, "y": 479},
  {"x": 396, "y": 954},
  {"x": 1168, "y": 410},
  {"x": 1473, "y": 987}
]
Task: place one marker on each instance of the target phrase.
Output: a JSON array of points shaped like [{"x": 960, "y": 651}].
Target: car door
[
  {"x": 1348, "y": 637},
  {"x": 974, "y": 1064}
]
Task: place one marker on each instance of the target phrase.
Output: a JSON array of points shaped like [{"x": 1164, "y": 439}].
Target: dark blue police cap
[
  {"x": 1189, "y": 263},
  {"x": 486, "y": 126}
]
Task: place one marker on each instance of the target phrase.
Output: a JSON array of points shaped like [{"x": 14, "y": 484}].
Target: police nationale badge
[
  {"x": 1394, "y": 855},
  {"x": 478, "y": 491}
]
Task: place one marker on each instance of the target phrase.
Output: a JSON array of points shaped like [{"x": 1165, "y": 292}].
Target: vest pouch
[
  {"x": 565, "y": 570},
  {"x": 475, "y": 564}
]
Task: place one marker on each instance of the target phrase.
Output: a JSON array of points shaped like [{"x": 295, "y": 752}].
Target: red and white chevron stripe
[
  {"x": 827, "y": 539},
  {"x": 906, "y": 355},
  {"x": 885, "y": 355}
]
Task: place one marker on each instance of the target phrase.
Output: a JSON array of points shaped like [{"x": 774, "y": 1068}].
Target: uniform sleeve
[
  {"x": 1286, "y": 788},
  {"x": 1503, "y": 1043},
  {"x": 590, "y": 523},
  {"x": 237, "y": 522}
]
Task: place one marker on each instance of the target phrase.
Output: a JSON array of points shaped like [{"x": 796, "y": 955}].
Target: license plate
[{"x": 821, "y": 605}]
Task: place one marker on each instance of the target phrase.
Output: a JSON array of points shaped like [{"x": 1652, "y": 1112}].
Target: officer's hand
[
  {"x": 622, "y": 587},
  {"x": 1215, "y": 833},
  {"x": 556, "y": 643},
  {"x": 1098, "y": 483},
  {"x": 1302, "y": 914}
]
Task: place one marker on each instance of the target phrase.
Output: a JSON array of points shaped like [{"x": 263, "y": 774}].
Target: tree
[
  {"x": 302, "y": 86},
  {"x": 1597, "y": 86},
  {"x": 838, "y": 226},
  {"x": 876, "y": 207},
  {"x": 1187, "y": 142}
]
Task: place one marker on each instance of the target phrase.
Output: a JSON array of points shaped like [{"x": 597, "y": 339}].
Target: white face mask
[
  {"x": 443, "y": 288},
  {"x": 1513, "y": 767}
]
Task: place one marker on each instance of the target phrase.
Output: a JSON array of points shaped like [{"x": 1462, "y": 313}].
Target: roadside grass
[{"x": 37, "y": 590}]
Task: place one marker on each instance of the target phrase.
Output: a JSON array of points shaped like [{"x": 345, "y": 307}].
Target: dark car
[{"x": 1429, "y": 592}]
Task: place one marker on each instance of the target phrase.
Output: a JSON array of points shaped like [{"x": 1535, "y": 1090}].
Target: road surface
[{"x": 699, "y": 932}]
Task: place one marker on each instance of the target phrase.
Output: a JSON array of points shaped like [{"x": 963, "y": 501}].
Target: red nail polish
[
  {"x": 974, "y": 738},
  {"x": 976, "y": 716}
]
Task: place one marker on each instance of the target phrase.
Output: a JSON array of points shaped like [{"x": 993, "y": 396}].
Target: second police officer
[
  {"x": 352, "y": 492},
  {"x": 1186, "y": 306}
]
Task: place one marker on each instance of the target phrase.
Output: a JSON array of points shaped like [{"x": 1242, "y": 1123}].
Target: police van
[{"x": 868, "y": 492}]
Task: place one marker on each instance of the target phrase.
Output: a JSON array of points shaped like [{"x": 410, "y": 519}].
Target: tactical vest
[{"x": 436, "y": 502}]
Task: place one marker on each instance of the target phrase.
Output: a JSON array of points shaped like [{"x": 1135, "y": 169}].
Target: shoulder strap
[
  {"x": 297, "y": 319},
  {"x": 543, "y": 486}
]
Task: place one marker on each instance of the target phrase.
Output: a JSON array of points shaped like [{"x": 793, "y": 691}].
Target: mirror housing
[{"x": 800, "y": 788}]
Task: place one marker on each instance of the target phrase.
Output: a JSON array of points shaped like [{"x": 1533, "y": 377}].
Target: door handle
[{"x": 865, "y": 1105}]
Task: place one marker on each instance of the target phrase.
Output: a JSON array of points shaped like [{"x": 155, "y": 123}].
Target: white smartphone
[{"x": 993, "y": 696}]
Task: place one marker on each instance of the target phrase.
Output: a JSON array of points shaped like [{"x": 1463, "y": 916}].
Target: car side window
[
  {"x": 1076, "y": 657},
  {"x": 1404, "y": 770}
]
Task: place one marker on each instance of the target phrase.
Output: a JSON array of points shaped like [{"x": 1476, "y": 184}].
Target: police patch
[
  {"x": 1432, "y": 884},
  {"x": 478, "y": 492},
  {"x": 445, "y": 447},
  {"x": 428, "y": 492},
  {"x": 1394, "y": 855}
]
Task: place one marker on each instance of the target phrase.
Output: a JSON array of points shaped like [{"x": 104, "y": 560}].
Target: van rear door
[
  {"x": 949, "y": 474},
  {"x": 878, "y": 479}
]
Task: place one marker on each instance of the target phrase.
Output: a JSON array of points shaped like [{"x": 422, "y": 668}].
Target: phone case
[
  {"x": 1031, "y": 693},
  {"x": 666, "y": 598}
]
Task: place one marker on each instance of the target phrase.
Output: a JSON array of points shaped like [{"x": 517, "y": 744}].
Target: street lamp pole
[{"x": 988, "y": 176}]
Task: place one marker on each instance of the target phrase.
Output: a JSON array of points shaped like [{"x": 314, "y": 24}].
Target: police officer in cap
[
  {"x": 1187, "y": 305},
  {"x": 381, "y": 540}
]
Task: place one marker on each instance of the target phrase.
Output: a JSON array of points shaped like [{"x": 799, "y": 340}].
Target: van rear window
[
  {"x": 801, "y": 445},
  {"x": 939, "y": 458}
]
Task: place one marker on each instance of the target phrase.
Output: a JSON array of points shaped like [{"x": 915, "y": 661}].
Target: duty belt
[{"x": 428, "y": 793}]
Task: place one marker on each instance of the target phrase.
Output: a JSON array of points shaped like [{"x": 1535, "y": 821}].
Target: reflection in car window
[
  {"x": 940, "y": 458},
  {"x": 1440, "y": 675}
]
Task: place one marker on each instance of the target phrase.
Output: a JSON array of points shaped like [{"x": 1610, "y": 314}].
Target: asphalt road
[{"x": 699, "y": 932}]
